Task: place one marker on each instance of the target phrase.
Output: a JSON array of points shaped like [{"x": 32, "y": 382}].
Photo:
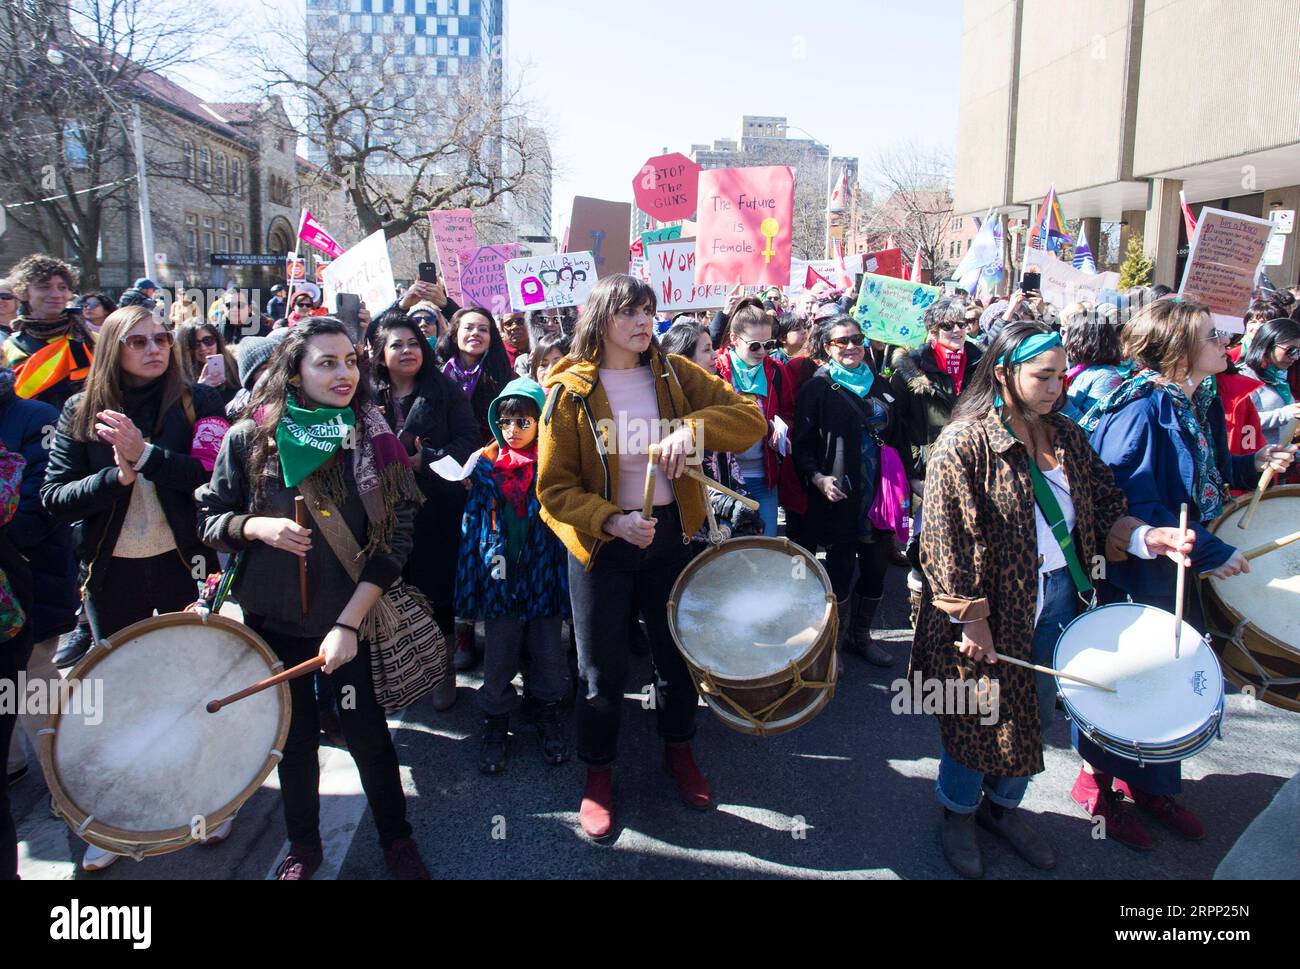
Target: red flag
[
  {"x": 1189, "y": 220},
  {"x": 916, "y": 266},
  {"x": 839, "y": 194},
  {"x": 813, "y": 277}
]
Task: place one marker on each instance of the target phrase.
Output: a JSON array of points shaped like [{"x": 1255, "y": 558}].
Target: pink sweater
[{"x": 632, "y": 399}]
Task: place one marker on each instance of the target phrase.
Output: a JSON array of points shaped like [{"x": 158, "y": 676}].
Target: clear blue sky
[{"x": 616, "y": 81}]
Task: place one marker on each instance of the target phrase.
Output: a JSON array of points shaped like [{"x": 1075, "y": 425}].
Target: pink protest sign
[
  {"x": 745, "y": 224},
  {"x": 667, "y": 187},
  {"x": 483, "y": 276},
  {"x": 453, "y": 232}
]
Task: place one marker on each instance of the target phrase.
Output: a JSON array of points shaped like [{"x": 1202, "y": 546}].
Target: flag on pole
[
  {"x": 840, "y": 193},
  {"x": 916, "y": 265},
  {"x": 842, "y": 270},
  {"x": 313, "y": 233},
  {"x": 1189, "y": 221},
  {"x": 1083, "y": 260},
  {"x": 982, "y": 263},
  {"x": 1048, "y": 231}
]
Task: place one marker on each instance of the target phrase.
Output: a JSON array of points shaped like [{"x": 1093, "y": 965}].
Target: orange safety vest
[{"x": 61, "y": 359}]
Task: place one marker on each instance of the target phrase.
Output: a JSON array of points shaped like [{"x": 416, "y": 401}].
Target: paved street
[{"x": 849, "y": 795}]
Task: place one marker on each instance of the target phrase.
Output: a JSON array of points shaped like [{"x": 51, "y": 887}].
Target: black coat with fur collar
[{"x": 925, "y": 397}]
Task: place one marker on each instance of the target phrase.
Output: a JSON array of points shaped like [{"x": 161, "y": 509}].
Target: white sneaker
[
  {"x": 97, "y": 859},
  {"x": 220, "y": 833}
]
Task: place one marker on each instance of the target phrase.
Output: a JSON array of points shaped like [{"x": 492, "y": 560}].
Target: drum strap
[{"x": 1051, "y": 509}]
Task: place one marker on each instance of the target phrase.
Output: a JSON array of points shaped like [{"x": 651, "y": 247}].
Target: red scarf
[
  {"x": 513, "y": 471},
  {"x": 952, "y": 362}
]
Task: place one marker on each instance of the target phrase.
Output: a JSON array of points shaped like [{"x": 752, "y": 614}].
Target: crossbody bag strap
[
  {"x": 329, "y": 522},
  {"x": 1051, "y": 509},
  {"x": 860, "y": 406}
]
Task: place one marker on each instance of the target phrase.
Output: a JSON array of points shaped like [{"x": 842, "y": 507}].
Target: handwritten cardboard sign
[
  {"x": 453, "y": 232},
  {"x": 604, "y": 229},
  {"x": 483, "y": 276},
  {"x": 889, "y": 310},
  {"x": 1225, "y": 255},
  {"x": 364, "y": 270},
  {"x": 1062, "y": 284},
  {"x": 746, "y": 226},
  {"x": 672, "y": 277},
  {"x": 565, "y": 279},
  {"x": 667, "y": 187}
]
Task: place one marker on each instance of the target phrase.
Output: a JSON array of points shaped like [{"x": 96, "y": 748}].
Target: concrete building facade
[{"x": 1123, "y": 103}]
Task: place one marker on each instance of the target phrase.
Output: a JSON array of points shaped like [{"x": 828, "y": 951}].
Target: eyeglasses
[
  {"x": 952, "y": 327},
  {"x": 1292, "y": 353},
  {"x": 7, "y": 296},
  {"x": 844, "y": 342},
  {"x": 136, "y": 342},
  {"x": 523, "y": 423},
  {"x": 769, "y": 346},
  {"x": 1219, "y": 336},
  {"x": 208, "y": 341}
]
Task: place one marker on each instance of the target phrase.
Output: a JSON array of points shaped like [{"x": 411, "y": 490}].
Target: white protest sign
[
  {"x": 565, "y": 279},
  {"x": 672, "y": 277},
  {"x": 1062, "y": 284},
  {"x": 1225, "y": 255},
  {"x": 364, "y": 270},
  {"x": 828, "y": 269}
]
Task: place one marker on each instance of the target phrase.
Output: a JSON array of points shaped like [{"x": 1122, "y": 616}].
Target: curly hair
[
  {"x": 945, "y": 312},
  {"x": 37, "y": 269}
]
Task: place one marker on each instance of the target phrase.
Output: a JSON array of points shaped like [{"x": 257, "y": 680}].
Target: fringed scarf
[{"x": 952, "y": 362}]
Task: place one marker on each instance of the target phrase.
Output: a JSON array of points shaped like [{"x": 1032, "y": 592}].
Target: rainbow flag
[{"x": 1048, "y": 231}]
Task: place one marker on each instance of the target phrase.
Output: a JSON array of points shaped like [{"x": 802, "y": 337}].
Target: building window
[
  {"x": 207, "y": 243},
  {"x": 205, "y": 165},
  {"x": 224, "y": 242},
  {"x": 74, "y": 145},
  {"x": 239, "y": 244},
  {"x": 219, "y": 169},
  {"x": 187, "y": 161},
  {"x": 207, "y": 222},
  {"x": 236, "y": 179},
  {"x": 192, "y": 245}
]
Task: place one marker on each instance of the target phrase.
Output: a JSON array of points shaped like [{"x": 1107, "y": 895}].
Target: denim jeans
[
  {"x": 548, "y": 669},
  {"x": 958, "y": 787},
  {"x": 767, "y": 503},
  {"x": 621, "y": 578}
]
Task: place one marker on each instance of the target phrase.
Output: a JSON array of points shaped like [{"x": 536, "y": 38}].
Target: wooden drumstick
[
  {"x": 300, "y": 518},
  {"x": 302, "y": 669},
  {"x": 1265, "y": 480},
  {"x": 708, "y": 482},
  {"x": 1180, "y": 590},
  {"x": 648, "y": 504},
  {"x": 1047, "y": 669},
  {"x": 1272, "y": 546}
]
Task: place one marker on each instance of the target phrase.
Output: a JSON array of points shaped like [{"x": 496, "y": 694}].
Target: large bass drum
[
  {"x": 755, "y": 620},
  {"x": 150, "y": 770},
  {"x": 1254, "y": 618}
]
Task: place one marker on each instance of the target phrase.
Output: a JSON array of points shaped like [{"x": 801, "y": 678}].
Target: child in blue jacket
[{"x": 513, "y": 575}]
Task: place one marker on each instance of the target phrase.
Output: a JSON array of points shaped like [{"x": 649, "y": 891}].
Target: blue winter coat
[
  {"x": 487, "y": 585},
  {"x": 1154, "y": 466}
]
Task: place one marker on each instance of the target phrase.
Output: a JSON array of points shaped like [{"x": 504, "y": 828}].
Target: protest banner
[
  {"x": 746, "y": 226},
  {"x": 320, "y": 273},
  {"x": 1062, "y": 284},
  {"x": 665, "y": 233},
  {"x": 885, "y": 262},
  {"x": 313, "y": 233},
  {"x": 483, "y": 276},
  {"x": 672, "y": 277},
  {"x": 827, "y": 269},
  {"x": 667, "y": 187},
  {"x": 604, "y": 229},
  {"x": 889, "y": 310},
  {"x": 1225, "y": 255},
  {"x": 364, "y": 270},
  {"x": 295, "y": 269},
  {"x": 565, "y": 279},
  {"x": 453, "y": 232}
]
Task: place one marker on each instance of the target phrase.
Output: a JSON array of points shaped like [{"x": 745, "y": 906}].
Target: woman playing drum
[
  {"x": 611, "y": 396},
  {"x": 998, "y": 579},
  {"x": 317, "y": 432},
  {"x": 1162, "y": 432}
]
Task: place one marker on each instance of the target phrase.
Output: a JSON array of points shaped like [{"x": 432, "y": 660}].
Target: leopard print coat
[{"x": 980, "y": 558}]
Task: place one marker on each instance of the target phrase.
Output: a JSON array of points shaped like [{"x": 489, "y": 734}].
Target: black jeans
[
  {"x": 604, "y": 601},
  {"x": 872, "y": 561},
  {"x": 364, "y": 727},
  {"x": 14, "y": 655},
  {"x": 134, "y": 588}
]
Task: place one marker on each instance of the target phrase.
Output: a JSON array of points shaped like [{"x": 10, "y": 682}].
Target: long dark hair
[
  {"x": 1266, "y": 339},
  {"x": 976, "y": 398},
  {"x": 187, "y": 339},
  {"x": 496, "y": 364},
  {"x": 819, "y": 338},
  {"x": 682, "y": 339},
  {"x": 380, "y": 333},
  {"x": 268, "y": 403},
  {"x": 103, "y": 389}
]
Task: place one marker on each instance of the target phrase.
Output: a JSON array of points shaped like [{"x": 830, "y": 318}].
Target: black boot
[
  {"x": 493, "y": 744},
  {"x": 552, "y": 735},
  {"x": 859, "y": 640},
  {"x": 74, "y": 647}
]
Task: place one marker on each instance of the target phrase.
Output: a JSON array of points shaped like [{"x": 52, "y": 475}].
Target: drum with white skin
[
  {"x": 1165, "y": 708},
  {"x": 152, "y": 771}
]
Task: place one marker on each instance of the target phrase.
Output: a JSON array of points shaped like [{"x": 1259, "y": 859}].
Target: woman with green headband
[
  {"x": 315, "y": 432},
  {"x": 998, "y": 579}
]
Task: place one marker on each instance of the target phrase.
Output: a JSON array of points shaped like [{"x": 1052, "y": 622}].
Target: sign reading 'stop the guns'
[
  {"x": 667, "y": 187},
  {"x": 745, "y": 226}
]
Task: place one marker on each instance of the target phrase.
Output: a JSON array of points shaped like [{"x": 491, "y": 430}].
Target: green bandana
[
  {"x": 747, "y": 379},
  {"x": 306, "y": 439},
  {"x": 1026, "y": 351},
  {"x": 858, "y": 380}
]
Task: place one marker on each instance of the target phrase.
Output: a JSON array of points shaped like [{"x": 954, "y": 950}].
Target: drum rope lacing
[{"x": 1267, "y": 679}]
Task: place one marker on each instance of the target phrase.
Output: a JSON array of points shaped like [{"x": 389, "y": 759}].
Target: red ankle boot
[
  {"x": 597, "y": 812},
  {"x": 1166, "y": 810},
  {"x": 1093, "y": 792},
  {"x": 680, "y": 763}
]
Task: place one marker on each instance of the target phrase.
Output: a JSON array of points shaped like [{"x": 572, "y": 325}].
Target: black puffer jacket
[
  {"x": 81, "y": 484},
  {"x": 924, "y": 399}
]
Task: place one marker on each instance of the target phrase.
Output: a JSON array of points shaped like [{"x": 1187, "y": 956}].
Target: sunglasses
[
  {"x": 208, "y": 341},
  {"x": 90, "y": 304},
  {"x": 1292, "y": 353},
  {"x": 302, "y": 304},
  {"x": 953, "y": 327},
  {"x": 7, "y": 296},
  {"x": 137, "y": 342},
  {"x": 769, "y": 346},
  {"x": 844, "y": 342},
  {"x": 523, "y": 423}
]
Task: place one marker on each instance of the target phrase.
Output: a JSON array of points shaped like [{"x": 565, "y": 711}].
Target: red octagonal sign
[{"x": 667, "y": 187}]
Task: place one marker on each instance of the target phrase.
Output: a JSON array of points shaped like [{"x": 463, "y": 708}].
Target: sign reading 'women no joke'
[{"x": 746, "y": 226}]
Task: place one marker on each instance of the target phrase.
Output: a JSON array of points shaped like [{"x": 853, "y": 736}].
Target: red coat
[
  {"x": 1239, "y": 411},
  {"x": 779, "y": 402}
]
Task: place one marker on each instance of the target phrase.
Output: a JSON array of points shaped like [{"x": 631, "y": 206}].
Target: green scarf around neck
[
  {"x": 306, "y": 439},
  {"x": 747, "y": 379},
  {"x": 858, "y": 380}
]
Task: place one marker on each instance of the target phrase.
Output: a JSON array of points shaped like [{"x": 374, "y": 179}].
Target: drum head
[
  {"x": 1159, "y": 700},
  {"x": 158, "y": 759},
  {"x": 750, "y": 610},
  {"x": 1269, "y": 595}
]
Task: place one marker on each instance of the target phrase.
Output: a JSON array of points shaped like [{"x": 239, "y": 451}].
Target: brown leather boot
[
  {"x": 1009, "y": 824},
  {"x": 960, "y": 845}
]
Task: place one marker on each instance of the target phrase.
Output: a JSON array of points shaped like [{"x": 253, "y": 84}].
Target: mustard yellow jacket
[{"x": 578, "y": 450}]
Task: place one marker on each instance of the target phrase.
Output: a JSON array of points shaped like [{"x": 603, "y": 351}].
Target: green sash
[{"x": 1051, "y": 509}]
